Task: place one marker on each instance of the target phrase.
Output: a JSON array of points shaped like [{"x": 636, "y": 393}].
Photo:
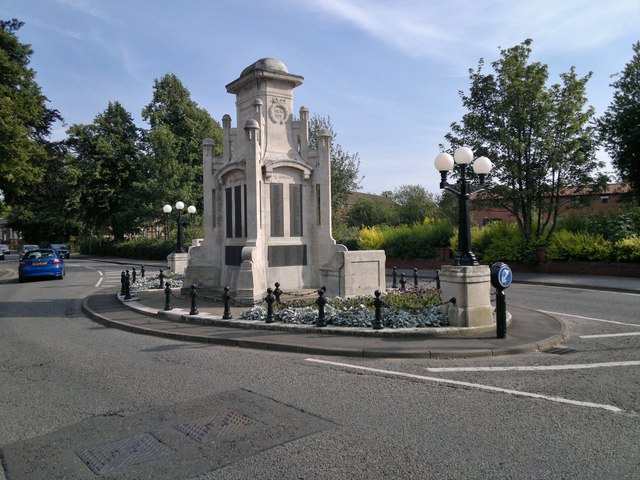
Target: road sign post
[{"x": 501, "y": 277}]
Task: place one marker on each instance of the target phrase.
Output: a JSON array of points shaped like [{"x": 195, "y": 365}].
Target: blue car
[{"x": 42, "y": 262}]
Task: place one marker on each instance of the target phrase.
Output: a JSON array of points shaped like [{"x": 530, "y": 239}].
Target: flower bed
[{"x": 410, "y": 309}]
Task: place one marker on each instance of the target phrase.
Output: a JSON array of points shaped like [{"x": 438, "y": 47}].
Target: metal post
[
  {"x": 321, "y": 302},
  {"x": 438, "y": 280},
  {"x": 415, "y": 278},
  {"x": 142, "y": 271},
  {"x": 127, "y": 287},
  {"x": 501, "y": 314},
  {"x": 403, "y": 282},
  {"x": 194, "y": 294},
  {"x": 270, "y": 299},
  {"x": 161, "y": 277},
  {"x": 225, "y": 296},
  {"x": 277, "y": 292},
  {"x": 394, "y": 283},
  {"x": 133, "y": 276},
  {"x": 122, "y": 283},
  {"x": 167, "y": 294},
  {"x": 377, "y": 322}
]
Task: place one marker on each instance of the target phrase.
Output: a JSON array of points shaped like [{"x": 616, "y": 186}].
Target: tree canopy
[
  {"x": 344, "y": 166},
  {"x": 110, "y": 171},
  {"x": 540, "y": 138},
  {"x": 174, "y": 141},
  {"x": 25, "y": 119},
  {"x": 620, "y": 125}
]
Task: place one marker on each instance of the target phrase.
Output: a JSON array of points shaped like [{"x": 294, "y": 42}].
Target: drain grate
[
  {"x": 123, "y": 453},
  {"x": 216, "y": 426},
  {"x": 560, "y": 351}
]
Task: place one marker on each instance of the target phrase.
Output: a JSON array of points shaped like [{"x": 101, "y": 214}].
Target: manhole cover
[
  {"x": 216, "y": 426},
  {"x": 123, "y": 453},
  {"x": 560, "y": 351}
]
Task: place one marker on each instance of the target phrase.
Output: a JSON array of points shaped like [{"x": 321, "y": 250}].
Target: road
[{"x": 71, "y": 389}]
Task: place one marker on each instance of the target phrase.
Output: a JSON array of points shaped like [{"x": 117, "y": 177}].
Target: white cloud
[{"x": 442, "y": 31}]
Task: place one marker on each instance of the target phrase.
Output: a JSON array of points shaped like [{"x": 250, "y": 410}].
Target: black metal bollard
[
  {"x": 415, "y": 278},
  {"x": 377, "y": 322},
  {"x": 122, "y": 281},
  {"x": 141, "y": 271},
  {"x": 133, "y": 276},
  {"x": 167, "y": 294},
  {"x": 277, "y": 292},
  {"x": 403, "y": 282},
  {"x": 321, "y": 302},
  {"x": 194, "y": 294},
  {"x": 394, "y": 283},
  {"x": 269, "y": 299},
  {"x": 127, "y": 287},
  {"x": 225, "y": 296},
  {"x": 438, "y": 280},
  {"x": 161, "y": 277}
]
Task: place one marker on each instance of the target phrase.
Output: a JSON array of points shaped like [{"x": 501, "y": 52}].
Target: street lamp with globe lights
[
  {"x": 180, "y": 220},
  {"x": 463, "y": 157}
]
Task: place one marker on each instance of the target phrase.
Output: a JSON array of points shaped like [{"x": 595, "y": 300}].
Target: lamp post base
[
  {"x": 471, "y": 287},
  {"x": 177, "y": 262}
]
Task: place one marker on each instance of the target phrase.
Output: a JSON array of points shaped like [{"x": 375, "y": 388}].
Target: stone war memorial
[{"x": 267, "y": 201}]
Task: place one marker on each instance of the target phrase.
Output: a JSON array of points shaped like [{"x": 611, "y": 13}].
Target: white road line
[
  {"x": 537, "y": 368},
  {"x": 101, "y": 278},
  {"x": 591, "y": 318},
  {"x": 607, "y": 335},
  {"x": 490, "y": 388}
]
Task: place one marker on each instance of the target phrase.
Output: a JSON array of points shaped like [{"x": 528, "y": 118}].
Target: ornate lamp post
[
  {"x": 463, "y": 157},
  {"x": 180, "y": 220}
]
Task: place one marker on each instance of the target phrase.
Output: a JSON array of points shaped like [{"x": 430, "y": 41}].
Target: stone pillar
[
  {"x": 177, "y": 262},
  {"x": 471, "y": 287}
]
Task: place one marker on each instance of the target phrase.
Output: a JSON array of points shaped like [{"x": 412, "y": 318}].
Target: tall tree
[
  {"x": 174, "y": 143},
  {"x": 25, "y": 120},
  {"x": 620, "y": 125},
  {"x": 540, "y": 138},
  {"x": 47, "y": 212},
  {"x": 111, "y": 171},
  {"x": 414, "y": 204},
  {"x": 344, "y": 166}
]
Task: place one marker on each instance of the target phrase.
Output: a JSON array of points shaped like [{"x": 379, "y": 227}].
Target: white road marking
[
  {"x": 607, "y": 335},
  {"x": 490, "y": 388},
  {"x": 101, "y": 278},
  {"x": 537, "y": 368},
  {"x": 591, "y": 318}
]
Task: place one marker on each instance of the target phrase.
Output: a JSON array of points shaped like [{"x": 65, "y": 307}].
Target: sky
[{"x": 387, "y": 73}]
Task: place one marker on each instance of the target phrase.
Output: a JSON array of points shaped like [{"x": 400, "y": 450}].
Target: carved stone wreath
[{"x": 278, "y": 111}]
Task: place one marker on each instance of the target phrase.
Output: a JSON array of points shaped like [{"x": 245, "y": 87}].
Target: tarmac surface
[{"x": 528, "y": 330}]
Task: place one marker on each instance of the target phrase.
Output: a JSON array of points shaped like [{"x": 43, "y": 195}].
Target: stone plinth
[
  {"x": 471, "y": 287},
  {"x": 349, "y": 274},
  {"x": 177, "y": 262}
]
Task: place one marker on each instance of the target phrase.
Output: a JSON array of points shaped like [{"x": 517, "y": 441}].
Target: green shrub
[
  {"x": 370, "y": 238},
  {"x": 565, "y": 245},
  {"x": 497, "y": 241},
  {"x": 627, "y": 249},
  {"x": 417, "y": 241},
  {"x": 141, "y": 249}
]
